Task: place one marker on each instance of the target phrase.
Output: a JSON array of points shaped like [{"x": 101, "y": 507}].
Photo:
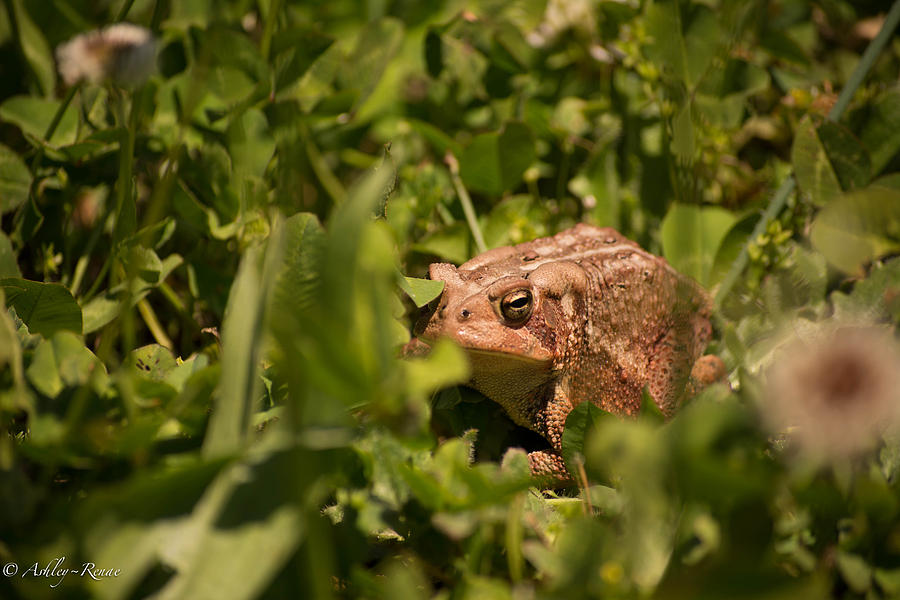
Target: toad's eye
[{"x": 516, "y": 306}]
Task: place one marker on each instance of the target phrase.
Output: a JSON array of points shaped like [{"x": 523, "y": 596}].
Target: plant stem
[
  {"x": 265, "y": 45},
  {"x": 328, "y": 180},
  {"x": 787, "y": 187},
  {"x": 153, "y": 324},
  {"x": 123, "y": 12},
  {"x": 465, "y": 201},
  {"x": 57, "y": 117}
]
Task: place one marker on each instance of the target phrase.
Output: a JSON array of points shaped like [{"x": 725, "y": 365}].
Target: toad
[{"x": 584, "y": 315}]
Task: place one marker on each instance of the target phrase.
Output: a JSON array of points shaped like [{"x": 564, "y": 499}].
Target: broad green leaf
[
  {"x": 9, "y": 267},
  {"x": 154, "y": 361},
  {"x": 859, "y": 226},
  {"x": 376, "y": 45},
  {"x": 579, "y": 423},
  {"x": 495, "y": 162},
  {"x": 248, "y": 512},
  {"x": 731, "y": 246},
  {"x": 857, "y": 574},
  {"x": 691, "y": 236},
  {"x": 421, "y": 291},
  {"x": 874, "y": 298},
  {"x": 238, "y": 389},
  {"x": 35, "y": 47},
  {"x": 45, "y": 307},
  {"x": 848, "y": 157},
  {"x": 684, "y": 39},
  {"x": 250, "y": 143},
  {"x": 878, "y": 135},
  {"x": 814, "y": 171},
  {"x": 450, "y": 244},
  {"x": 34, "y": 115},
  {"x": 295, "y": 49},
  {"x": 445, "y": 365},
  {"x": 63, "y": 361},
  {"x": 15, "y": 180},
  {"x": 298, "y": 282},
  {"x": 15, "y": 398}
]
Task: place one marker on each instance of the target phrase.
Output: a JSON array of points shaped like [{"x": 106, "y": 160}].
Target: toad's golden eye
[{"x": 516, "y": 306}]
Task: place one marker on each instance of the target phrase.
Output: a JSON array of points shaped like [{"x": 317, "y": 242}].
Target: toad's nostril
[{"x": 465, "y": 314}]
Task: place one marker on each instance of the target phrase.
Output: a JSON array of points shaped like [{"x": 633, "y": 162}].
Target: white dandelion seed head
[
  {"x": 835, "y": 392},
  {"x": 123, "y": 53}
]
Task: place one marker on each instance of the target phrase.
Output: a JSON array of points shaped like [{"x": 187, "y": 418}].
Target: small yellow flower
[
  {"x": 836, "y": 391},
  {"x": 123, "y": 53}
]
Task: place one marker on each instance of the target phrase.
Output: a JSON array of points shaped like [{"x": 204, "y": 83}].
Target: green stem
[
  {"x": 466, "y": 202},
  {"x": 57, "y": 117},
  {"x": 123, "y": 12},
  {"x": 865, "y": 63},
  {"x": 265, "y": 44},
  {"x": 328, "y": 180},
  {"x": 153, "y": 324},
  {"x": 784, "y": 191}
]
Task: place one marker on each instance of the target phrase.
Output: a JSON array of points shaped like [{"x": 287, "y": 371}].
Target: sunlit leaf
[
  {"x": 421, "y": 291},
  {"x": 495, "y": 162},
  {"x": 45, "y": 307},
  {"x": 691, "y": 236},
  {"x": 34, "y": 115}
]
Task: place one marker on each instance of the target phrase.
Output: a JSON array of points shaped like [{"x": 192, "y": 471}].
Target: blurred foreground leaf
[{"x": 859, "y": 226}]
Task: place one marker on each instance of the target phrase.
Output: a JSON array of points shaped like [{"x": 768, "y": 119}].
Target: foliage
[{"x": 205, "y": 300}]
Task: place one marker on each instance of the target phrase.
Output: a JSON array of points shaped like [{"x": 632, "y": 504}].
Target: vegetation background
[{"x": 199, "y": 382}]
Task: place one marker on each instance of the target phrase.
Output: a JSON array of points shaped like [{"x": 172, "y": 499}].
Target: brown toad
[{"x": 583, "y": 315}]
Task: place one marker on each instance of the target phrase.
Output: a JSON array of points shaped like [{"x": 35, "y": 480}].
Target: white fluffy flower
[
  {"x": 836, "y": 391},
  {"x": 123, "y": 53}
]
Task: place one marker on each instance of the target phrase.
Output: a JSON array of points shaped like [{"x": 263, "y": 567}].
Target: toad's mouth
[{"x": 421, "y": 345}]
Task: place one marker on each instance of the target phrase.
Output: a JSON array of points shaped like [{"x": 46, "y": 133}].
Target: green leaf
[
  {"x": 9, "y": 267},
  {"x": 855, "y": 571},
  {"x": 421, "y": 291},
  {"x": 684, "y": 39},
  {"x": 298, "y": 282},
  {"x": 377, "y": 44},
  {"x": 45, "y": 307},
  {"x": 878, "y": 135},
  {"x": 295, "y": 49},
  {"x": 859, "y": 226},
  {"x": 848, "y": 157},
  {"x": 15, "y": 180},
  {"x": 34, "y": 115},
  {"x": 238, "y": 389},
  {"x": 246, "y": 513},
  {"x": 450, "y": 243},
  {"x": 495, "y": 162},
  {"x": 579, "y": 423},
  {"x": 62, "y": 361},
  {"x": 445, "y": 365},
  {"x": 36, "y": 50},
  {"x": 154, "y": 361},
  {"x": 691, "y": 236},
  {"x": 827, "y": 161}
]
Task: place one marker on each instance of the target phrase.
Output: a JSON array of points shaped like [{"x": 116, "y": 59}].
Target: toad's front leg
[{"x": 550, "y": 421}]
